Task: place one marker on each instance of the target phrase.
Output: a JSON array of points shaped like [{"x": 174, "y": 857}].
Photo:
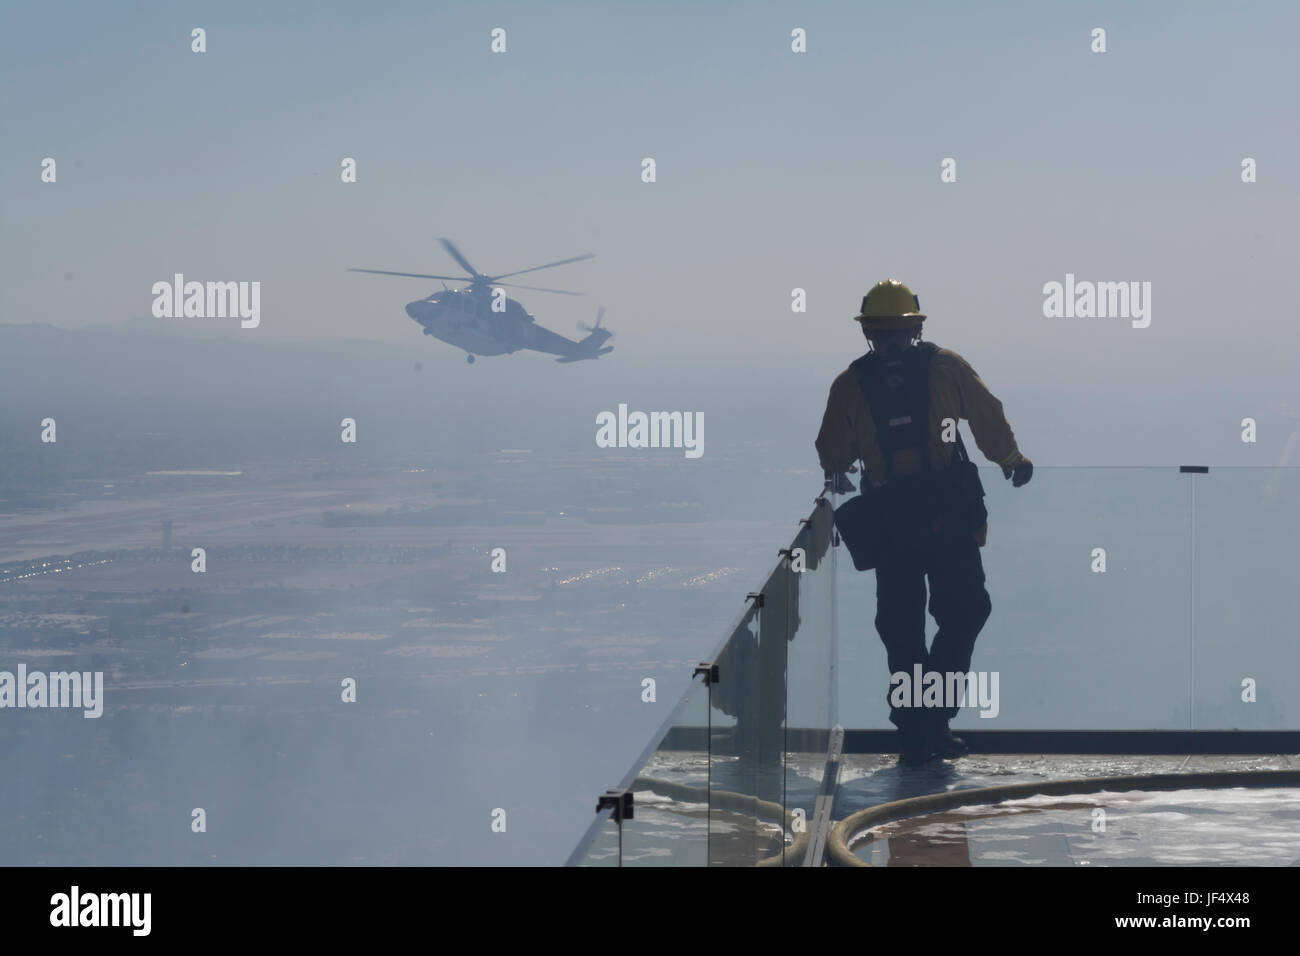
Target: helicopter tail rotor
[
  {"x": 593, "y": 345},
  {"x": 600, "y": 314}
]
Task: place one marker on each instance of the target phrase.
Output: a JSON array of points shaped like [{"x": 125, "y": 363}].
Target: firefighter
[{"x": 895, "y": 411}]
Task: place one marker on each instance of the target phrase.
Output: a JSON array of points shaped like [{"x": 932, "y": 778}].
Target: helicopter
[{"x": 480, "y": 319}]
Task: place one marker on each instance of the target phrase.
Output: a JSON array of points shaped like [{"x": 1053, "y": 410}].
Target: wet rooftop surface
[
  {"x": 1241, "y": 826},
  {"x": 1257, "y": 826}
]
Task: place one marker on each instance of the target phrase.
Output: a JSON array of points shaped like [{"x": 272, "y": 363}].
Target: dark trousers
[{"x": 958, "y": 601}]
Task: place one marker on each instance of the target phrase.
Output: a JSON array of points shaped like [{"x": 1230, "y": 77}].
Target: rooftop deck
[{"x": 1169, "y": 663}]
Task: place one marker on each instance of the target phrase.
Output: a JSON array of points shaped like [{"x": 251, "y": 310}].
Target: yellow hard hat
[{"x": 890, "y": 305}]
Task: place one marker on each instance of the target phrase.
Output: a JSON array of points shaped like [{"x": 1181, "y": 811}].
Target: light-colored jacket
[{"x": 848, "y": 432}]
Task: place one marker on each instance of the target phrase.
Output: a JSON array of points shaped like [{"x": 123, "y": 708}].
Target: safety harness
[{"x": 896, "y": 387}]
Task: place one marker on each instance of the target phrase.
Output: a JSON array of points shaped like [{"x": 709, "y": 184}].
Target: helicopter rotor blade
[
  {"x": 460, "y": 259},
  {"x": 562, "y": 262},
  {"x": 413, "y": 275},
  {"x": 534, "y": 288}
]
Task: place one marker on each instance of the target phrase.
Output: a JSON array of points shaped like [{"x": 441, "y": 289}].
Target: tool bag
[
  {"x": 908, "y": 513},
  {"x": 861, "y": 529},
  {"x": 918, "y": 509}
]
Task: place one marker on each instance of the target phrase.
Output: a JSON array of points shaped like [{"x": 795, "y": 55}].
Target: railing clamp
[
  {"x": 620, "y": 800},
  {"x": 709, "y": 670}
]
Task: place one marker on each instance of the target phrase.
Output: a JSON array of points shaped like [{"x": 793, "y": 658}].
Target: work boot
[
  {"x": 944, "y": 745},
  {"x": 913, "y": 744}
]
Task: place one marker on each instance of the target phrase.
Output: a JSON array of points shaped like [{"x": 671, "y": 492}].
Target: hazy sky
[{"x": 775, "y": 170}]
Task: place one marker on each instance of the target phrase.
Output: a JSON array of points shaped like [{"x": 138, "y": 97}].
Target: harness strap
[{"x": 909, "y": 426}]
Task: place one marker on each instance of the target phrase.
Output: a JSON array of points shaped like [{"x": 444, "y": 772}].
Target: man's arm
[
  {"x": 836, "y": 445},
  {"x": 988, "y": 422}
]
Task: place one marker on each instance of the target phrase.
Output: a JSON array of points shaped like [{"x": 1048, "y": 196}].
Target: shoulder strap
[{"x": 960, "y": 453}]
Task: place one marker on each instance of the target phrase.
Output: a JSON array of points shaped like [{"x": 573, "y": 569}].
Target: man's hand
[{"x": 1020, "y": 474}]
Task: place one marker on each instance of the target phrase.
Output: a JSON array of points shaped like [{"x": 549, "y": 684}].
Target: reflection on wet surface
[
  {"x": 868, "y": 780},
  {"x": 1254, "y": 827},
  {"x": 1239, "y": 826}
]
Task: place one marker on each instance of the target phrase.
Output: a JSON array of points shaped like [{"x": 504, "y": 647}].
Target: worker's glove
[{"x": 1019, "y": 474}]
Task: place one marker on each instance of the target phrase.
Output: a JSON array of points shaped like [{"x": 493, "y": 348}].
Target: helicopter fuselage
[{"x": 466, "y": 320}]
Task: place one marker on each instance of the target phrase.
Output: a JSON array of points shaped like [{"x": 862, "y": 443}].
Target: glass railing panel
[
  {"x": 602, "y": 846},
  {"x": 670, "y": 823},
  {"x": 747, "y": 719},
  {"x": 811, "y": 684},
  {"x": 1246, "y": 557},
  {"x": 1089, "y": 576},
  {"x": 669, "y": 784}
]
